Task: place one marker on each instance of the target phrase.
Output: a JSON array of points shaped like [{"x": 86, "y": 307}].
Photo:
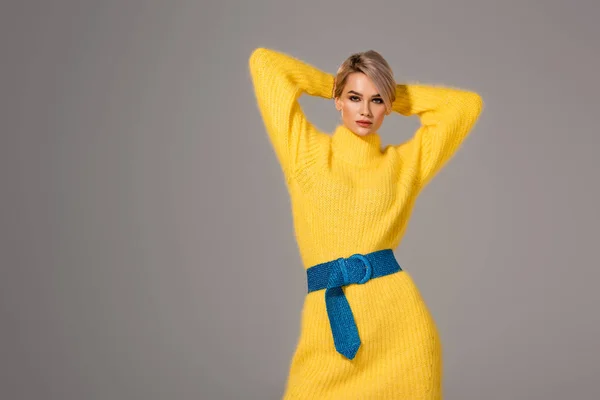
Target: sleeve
[
  {"x": 447, "y": 116},
  {"x": 278, "y": 81}
]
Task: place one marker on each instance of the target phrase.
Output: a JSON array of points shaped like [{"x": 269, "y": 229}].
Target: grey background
[{"x": 147, "y": 249}]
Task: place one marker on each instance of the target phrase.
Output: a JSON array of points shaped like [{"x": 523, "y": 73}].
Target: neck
[{"x": 355, "y": 149}]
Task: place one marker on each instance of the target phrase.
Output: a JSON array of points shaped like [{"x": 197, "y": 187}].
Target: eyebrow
[{"x": 360, "y": 94}]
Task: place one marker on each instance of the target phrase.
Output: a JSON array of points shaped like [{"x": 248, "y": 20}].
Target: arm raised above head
[
  {"x": 279, "y": 80},
  {"x": 447, "y": 116}
]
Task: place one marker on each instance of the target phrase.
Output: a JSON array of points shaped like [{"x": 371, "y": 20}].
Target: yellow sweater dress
[{"x": 349, "y": 196}]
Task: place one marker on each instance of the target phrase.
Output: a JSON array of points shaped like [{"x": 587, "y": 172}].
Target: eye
[
  {"x": 354, "y": 98},
  {"x": 378, "y": 100}
]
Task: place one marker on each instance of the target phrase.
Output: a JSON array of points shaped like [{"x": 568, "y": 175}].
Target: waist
[
  {"x": 332, "y": 276},
  {"x": 358, "y": 269}
]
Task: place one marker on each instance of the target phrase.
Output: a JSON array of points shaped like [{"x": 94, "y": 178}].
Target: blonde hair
[{"x": 375, "y": 67}]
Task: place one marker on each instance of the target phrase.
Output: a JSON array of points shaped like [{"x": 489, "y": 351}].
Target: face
[{"x": 361, "y": 105}]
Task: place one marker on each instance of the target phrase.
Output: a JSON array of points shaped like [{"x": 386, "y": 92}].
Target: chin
[{"x": 360, "y": 131}]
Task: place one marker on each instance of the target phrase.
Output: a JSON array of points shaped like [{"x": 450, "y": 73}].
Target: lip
[{"x": 364, "y": 123}]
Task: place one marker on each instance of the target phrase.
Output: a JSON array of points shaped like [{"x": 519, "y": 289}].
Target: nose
[{"x": 366, "y": 110}]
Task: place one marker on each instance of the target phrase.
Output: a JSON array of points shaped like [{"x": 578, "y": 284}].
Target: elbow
[
  {"x": 257, "y": 60},
  {"x": 478, "y": 101},
  {"x": 467, "y": 106},
  {"x": 256, "y": 53},
  {"x": 473, "y": 103},
  {"x": 255, "y": 57},
  {"x": 261, "y": 62},
  {"x": 258, "y": 57}
]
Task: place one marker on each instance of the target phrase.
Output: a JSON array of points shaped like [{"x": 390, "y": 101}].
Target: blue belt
[{"x": 332, "y": 275}]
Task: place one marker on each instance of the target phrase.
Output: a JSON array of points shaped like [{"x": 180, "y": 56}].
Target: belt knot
[{"x": 354, "y": 269}]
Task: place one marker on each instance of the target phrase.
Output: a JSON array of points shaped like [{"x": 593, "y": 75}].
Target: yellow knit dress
[{"x": 349, "y": 196}]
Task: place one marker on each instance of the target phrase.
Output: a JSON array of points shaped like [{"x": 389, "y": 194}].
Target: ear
[{"x": 338, "y": 104}]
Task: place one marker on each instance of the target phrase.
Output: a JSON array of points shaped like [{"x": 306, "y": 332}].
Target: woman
[{"x": 366, "y": 333}]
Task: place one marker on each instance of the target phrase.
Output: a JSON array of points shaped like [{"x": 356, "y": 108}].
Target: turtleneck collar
[{"x": 355, "y": 149}]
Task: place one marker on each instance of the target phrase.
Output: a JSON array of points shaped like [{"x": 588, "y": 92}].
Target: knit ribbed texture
[{"x": 351, "y": 196}]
